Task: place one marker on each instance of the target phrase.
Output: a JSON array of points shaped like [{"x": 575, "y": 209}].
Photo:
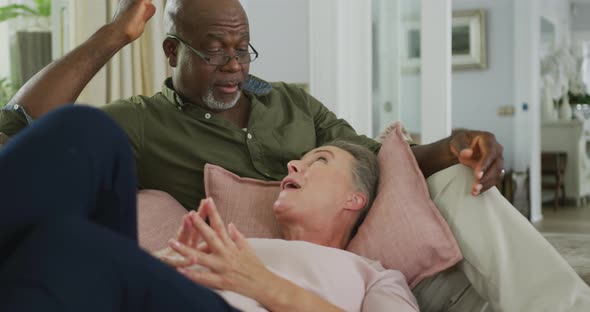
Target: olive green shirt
[{"x": 173, "y": 140}]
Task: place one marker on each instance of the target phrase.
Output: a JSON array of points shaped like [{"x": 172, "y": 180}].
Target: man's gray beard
[{"x": 214, "y": 104}]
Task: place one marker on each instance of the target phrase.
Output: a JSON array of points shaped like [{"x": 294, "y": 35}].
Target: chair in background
[{"x": 553, "y": 165}]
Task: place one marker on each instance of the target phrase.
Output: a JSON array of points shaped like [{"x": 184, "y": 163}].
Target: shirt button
[
  {"x": 249, "y": 136},
  {"x": 208, "y": 116}
]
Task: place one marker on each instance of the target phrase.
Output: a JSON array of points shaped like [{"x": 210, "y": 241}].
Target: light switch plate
[{"x": 506, "y": 110}]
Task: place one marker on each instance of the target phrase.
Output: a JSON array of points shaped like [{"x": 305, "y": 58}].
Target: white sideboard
[{"x": 572, "y": 137}]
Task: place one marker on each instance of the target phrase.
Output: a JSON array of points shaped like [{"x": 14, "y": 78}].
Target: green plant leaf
[
  {"x": 44, "y": 7},
  {"x": 7, "y": 91},
  {"x": 4, "y": 16},
  {"x": 19, "y": 7}
]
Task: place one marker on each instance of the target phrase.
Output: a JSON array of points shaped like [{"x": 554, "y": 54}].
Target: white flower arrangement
[{"x": 562, "y": 72}]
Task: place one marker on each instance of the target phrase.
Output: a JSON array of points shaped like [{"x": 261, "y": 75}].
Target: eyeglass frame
[{"x": 207, "y": 58}]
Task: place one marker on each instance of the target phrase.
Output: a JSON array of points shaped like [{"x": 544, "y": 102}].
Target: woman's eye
[
  {"x": 321, "y": 158},
  {"x": 213, "y": 51}
]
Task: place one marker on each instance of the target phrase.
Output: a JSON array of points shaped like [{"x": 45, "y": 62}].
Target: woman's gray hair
[{"x": 365, "y": 173}]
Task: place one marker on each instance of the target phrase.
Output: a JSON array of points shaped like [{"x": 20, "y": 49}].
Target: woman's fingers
[
  {"x": 237, "y": 236},
  {"x": 204, "y": 247},
  {"x": 176, "y": 261},
  {"x": 187, "y": 234},
  {"x": 188, "y": 253},
  {"x": 216, "y": 221},
  {"x": 197, "y": 257},
  {"x": 207, "y": 279},
  {"x": 208, "y": 234}
]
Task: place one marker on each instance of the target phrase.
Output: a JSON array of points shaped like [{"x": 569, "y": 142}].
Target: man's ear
[
  {"x": 356, "y": 201},
  {"x": 170, "y": 47}
]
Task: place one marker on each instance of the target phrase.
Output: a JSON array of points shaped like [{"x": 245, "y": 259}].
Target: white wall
[
  {"x": 410, "y": 82},
  {"x": 326, "y": 45},
  {"x": 558, "y": 12},
  {"x": 436, "y": 110},
  {"x": 279, "y": 31},
  {"x": 341, "y": 57},
  {"x": 580, "y": 21},
  {"x": 477, "y": 94}
]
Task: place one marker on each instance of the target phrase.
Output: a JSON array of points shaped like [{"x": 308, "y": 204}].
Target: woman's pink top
[{"x": 348, "y": 281}]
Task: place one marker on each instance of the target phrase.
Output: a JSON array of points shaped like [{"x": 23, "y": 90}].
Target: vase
[
  {"x": 549, "y": 112},
  {"x": 565, "y": 109}
]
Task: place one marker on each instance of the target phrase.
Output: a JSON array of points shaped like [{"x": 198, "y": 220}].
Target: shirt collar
[{"x": 253, "y": 84}]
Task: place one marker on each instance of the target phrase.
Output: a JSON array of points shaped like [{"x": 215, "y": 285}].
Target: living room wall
[
  {"x": 478, "y": 94},
  {"x": 279, "y": 31}
]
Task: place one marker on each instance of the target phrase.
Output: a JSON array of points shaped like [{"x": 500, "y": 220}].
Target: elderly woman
[
  {"x": 68, "y": 234},
  {"x": 322, "y": 202}
]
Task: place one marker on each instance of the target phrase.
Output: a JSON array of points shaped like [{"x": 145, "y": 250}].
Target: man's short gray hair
[{"x": 365, "y": 173}]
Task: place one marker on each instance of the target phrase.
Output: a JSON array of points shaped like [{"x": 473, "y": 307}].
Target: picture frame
[{"x": 469, "y": 41}]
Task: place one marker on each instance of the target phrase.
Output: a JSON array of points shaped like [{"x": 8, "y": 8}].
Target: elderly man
[{"x": 212, "y": 110}]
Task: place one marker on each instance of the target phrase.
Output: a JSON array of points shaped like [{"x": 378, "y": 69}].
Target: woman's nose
[{"x": 295, "y": 166}]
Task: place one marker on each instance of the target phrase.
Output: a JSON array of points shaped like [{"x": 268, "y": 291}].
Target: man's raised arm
[
  {"x": 478, "y": 150},
  {"x": 62, "y": 81}
]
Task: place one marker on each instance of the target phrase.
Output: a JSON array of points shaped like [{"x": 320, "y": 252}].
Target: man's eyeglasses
[{"x": 243, "y": 57}]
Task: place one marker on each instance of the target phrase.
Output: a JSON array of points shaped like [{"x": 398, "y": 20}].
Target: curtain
[{"x": 139, "y": 68}]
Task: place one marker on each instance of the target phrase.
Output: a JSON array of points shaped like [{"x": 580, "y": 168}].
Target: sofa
[
  {"x": 159, "y": 216},
  {"x": 157, "y": 223}
]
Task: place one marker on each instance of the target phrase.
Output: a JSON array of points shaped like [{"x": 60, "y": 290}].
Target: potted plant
[
  {"x": 30, "y": 43},
  {"x": 40, "y": 11},
  {"x": 7, "y": 91}
]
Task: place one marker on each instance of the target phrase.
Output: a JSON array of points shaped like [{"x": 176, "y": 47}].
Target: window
[{"x": 25, "y": 42}]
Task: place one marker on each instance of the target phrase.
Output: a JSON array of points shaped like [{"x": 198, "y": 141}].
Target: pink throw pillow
[
  {"x": 404, "y": 229},
  {"x": 159, "y": 216},
  {"x": 245, "y": 202}
]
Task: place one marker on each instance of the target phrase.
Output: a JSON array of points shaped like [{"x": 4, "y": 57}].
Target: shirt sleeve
[
  {"x": 12, "y": 120},
  {"x": 390, "y": 293},
  {"x": 329, "y": 127}
]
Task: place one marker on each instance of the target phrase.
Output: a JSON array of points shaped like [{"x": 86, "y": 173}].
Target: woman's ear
[
  {"x": 356, "y": 201},
  {"x": 170, "y": 47}
]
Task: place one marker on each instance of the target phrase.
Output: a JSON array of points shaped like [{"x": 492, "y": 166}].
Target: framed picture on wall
[{"x": 469, "y": 41}]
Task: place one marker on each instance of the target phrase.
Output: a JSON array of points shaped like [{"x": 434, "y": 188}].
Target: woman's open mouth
[{"x": 290, "y": 184}]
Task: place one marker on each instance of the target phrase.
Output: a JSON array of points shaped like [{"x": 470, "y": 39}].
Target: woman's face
[{"x": 317, "y": 187}]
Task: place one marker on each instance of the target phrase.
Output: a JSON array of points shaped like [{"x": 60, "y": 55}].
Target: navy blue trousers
[{"x": 68, "y": 232}]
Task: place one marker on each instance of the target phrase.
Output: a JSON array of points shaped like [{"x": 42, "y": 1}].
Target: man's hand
[
  {"x": 480, "y": 151},
  {"x": 132, "y": 16}
]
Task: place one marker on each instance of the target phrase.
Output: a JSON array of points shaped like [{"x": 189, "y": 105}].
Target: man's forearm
[
  {"x": 434, "y": 157},
  {"x": 62, "y": 81}
]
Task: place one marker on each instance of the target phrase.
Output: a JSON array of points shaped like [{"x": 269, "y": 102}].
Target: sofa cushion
[
  {"x": 404, "y": 229},
  {"x": 159, "y": 216},
  {"x": 245, "y": 202}
]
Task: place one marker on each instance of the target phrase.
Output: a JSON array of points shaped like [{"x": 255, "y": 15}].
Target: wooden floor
[{"x": 569, "y": 219}]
